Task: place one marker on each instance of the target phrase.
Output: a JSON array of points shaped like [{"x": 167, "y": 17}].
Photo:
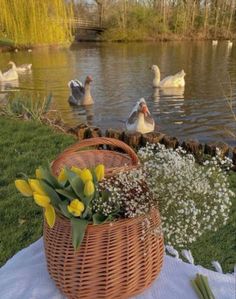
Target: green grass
[{"x": 24, "y": 146}]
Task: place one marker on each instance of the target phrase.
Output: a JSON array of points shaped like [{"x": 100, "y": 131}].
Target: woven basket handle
[{"x": 104, "y": 141}]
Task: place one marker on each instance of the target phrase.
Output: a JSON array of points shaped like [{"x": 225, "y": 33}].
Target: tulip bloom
[
  {"x": 41, "y": 200},
  {"x": 88, "y": 188},
  {"x": 36, "y": 187},
  {"x": 86, "y": 175},
  {"x": 50, "y": 215},
  {"x": 49, "y": 212},
  {"x": 23, "y": 187},
  {"x": 76, "y": 207},
  {"x": 100, "y": 170},
  {"x": 76, "y": 170},
  {"x": 62, "y": 176}
]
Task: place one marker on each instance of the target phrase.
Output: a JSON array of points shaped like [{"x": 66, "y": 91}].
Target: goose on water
[
  {"x": 9, "y": 75},
  {"x": 140, "y": 119},
  {"x": 21, "y": 68},
  {"x": 176, "y": 80},
  {"x": 80, "y": 94},
  {"x": 214, "y": 42}
]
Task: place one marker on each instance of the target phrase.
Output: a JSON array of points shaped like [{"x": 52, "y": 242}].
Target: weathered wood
[
  {"x": 210, "y": 149},
  {"x": 170, "y": 142},
  {"x": 111, "y": 133},
  {"x": 193, "y": 147},
  {"x": 92, "y": 132},
  {"x": 79, "y": 131},
  {"x": 152, "y": 137},
  {"x": 132, "y": 139},
  {"x": 117, "y": 134}
]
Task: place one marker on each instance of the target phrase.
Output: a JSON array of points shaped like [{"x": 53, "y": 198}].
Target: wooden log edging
[{"x": 138, "y": 140}]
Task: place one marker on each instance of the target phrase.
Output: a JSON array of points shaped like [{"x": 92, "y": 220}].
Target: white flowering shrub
[
  {"x": 125, "y": 195},
  {"x": 192, "y": 198}
]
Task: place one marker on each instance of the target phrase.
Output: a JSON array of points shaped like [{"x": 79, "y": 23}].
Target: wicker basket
[{"x": 115, "y": 260}]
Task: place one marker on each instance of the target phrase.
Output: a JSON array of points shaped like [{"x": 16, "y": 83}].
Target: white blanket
[{"x": 25, "y": 276}]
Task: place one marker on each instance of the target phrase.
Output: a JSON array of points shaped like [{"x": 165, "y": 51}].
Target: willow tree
[{"x": 31, "y": 22}]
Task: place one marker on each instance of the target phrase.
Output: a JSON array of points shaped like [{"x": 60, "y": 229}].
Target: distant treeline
[
  {"x": 34, "y": 22},
  {"x": 166, "y": 19}
]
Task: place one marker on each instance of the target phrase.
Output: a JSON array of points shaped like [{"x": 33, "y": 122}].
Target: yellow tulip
[
  {"x": 100, "y": 170},
  {"x": 86, "y": 175},
  {"x": 76, "y": 207},
  {"x": 50, "y": 215},
  {"x": 41, "y": 200},
  {"x": 23, "y": 187},
  {"x": 38, "y": 173},
  {"x": 62, "y": 176},
  {"x": 88, "y": 188},
  {"x": 36, "y": 187},
  {"x": 76, "y": 170}
]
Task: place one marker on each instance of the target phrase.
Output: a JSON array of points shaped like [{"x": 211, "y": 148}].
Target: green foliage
[
  {"x": 150, "y": 21},
  {"x": 69, "y": 194},
  {"x": 30, "y": 22},
  {"x": 6, "y": 41},
  {"x": 22, "y": 106},
  {"x": 24, "y": 146}
]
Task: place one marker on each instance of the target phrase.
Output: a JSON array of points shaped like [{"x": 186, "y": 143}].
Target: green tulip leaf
[
  {"x": 94, "y": 176},
  {"x": 49, "y": 177},
  {"x": 54, "y": 197},
  {"x": 66, "y": 193},
  {"x": 63, "y": 207},
  {"x": 78, "y": 231},
  {"x": 70, "y": 174},
  {"x": 77, "y": 186},
  {"x": 99, "y": 218}
]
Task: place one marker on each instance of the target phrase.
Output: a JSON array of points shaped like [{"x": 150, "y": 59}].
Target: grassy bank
[
  {"x": 25, "y": 146},
  {"x": 167, "y": 20}
]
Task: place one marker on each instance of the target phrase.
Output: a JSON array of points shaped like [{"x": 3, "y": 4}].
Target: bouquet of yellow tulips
[{"x": 70, "y": 193}]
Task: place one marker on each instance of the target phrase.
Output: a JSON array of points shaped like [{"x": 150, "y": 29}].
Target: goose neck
[{"x": 157, "y": 74}]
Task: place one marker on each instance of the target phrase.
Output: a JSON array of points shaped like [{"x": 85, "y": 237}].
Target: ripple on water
[{"x": 121, "y": 76}]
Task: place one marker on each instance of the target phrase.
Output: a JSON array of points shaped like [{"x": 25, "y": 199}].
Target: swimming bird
[
  {"x": 9, "y": 75},
  {"x": 21, "y": 68},
  {"x": 80, "y": 94},
  {"x": 140, "y": 119},
  {"x": 230, "y": 44},
  {"x": 176, "y": 80},
  {"x": 214, "y": 42}
]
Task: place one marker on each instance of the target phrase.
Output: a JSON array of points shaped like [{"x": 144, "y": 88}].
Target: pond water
[{"x": 122, "y": 76}]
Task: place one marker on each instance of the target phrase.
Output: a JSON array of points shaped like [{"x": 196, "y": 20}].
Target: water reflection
[
  {"x": 6, "y": 88},
  {"x": 10, "y": 85},
  {"x": 83, "y": 114},
  {"x": 121, "y": 76}
]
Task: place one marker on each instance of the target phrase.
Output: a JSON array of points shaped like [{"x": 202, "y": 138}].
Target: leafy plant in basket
[
  {"x": 84, "y": 196},
  {"x": 70, "y": 195}
]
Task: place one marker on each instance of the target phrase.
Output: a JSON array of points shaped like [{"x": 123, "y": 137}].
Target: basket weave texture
[{"x": 116, "y": 260}]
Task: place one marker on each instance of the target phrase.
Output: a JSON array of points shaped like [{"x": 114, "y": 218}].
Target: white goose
[
  {"x": 9, "y": 75},
  {"x": 21, "y": 68},
  {"x": 176, "y": 80},
  {"x": 140, "y": 119},
  {"x": 214, "y": 42},
  {"x": 80, "y": 94}
]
